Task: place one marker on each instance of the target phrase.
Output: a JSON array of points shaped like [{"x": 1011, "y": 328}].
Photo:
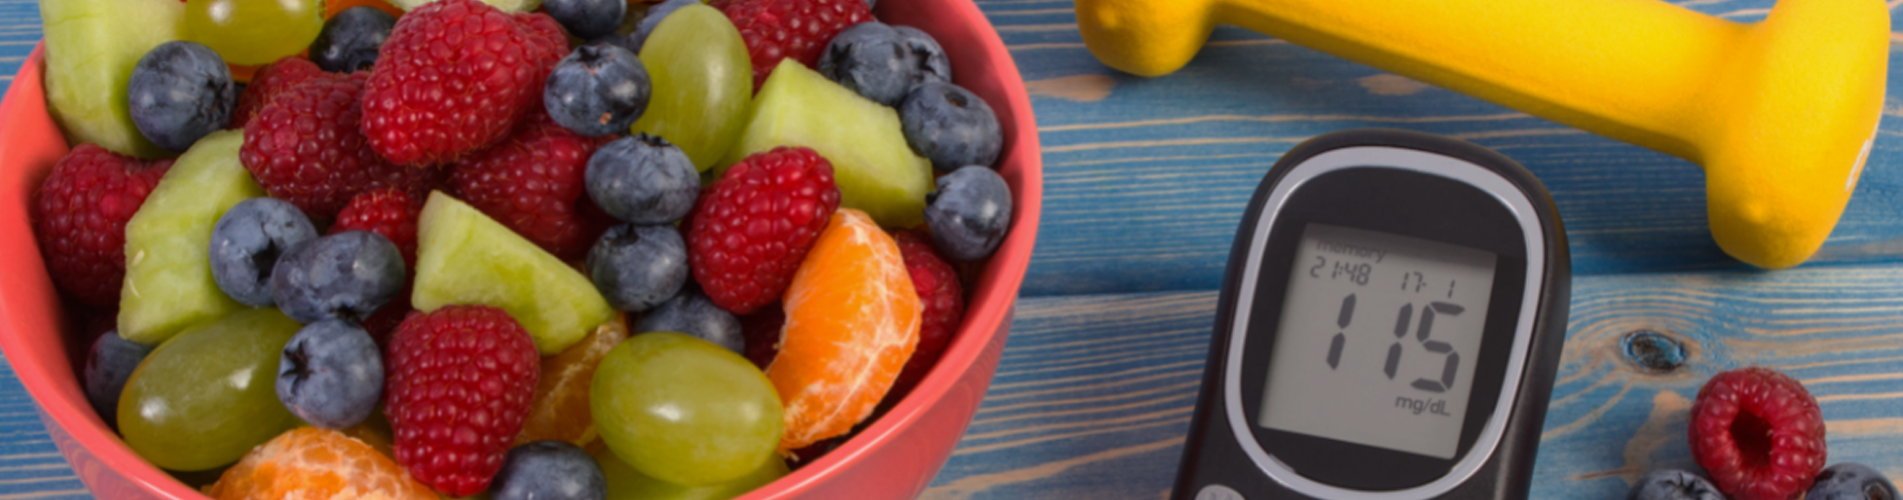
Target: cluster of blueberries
[
  {"x": 1844, "y": 481},
  {"x": 602, "y": 88}
]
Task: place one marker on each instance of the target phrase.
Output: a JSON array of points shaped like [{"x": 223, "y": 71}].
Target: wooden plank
[
  {"x": 1094, "y": 394},
  {"x": 1145, "y": 178}
]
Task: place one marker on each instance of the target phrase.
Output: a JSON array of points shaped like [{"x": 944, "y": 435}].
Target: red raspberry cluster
[
  {"x": 752, "y": 228},
  {"x": 1759, "y": 434},
  {"x": 779, "y": 29},
  {"x": 458, "y": 385},
  {"x": 81, "y": 216}
]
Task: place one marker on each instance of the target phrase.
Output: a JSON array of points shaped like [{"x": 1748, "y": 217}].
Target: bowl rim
[
  {"x": 60, "y": 399},
  {"x": 55, "y": 386}
]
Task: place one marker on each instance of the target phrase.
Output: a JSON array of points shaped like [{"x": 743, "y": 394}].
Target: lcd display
[{"x": 1378, "y": 339}]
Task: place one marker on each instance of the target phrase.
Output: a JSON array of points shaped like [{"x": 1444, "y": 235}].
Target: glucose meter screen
[{"x": 1378, "y": 340}]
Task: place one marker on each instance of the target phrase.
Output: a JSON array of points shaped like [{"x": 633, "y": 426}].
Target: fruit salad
[{"x": 555, "y": 249}]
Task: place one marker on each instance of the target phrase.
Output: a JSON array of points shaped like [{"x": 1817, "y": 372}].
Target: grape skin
[
  {"x": 207, "y": 396},
  {"x": 703, "y": 83},
  {"x": 684, "y": 410},
  {"x": 253, "y": 32}
]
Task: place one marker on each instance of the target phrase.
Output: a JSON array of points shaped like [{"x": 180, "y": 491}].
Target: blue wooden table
[{"x": 1145, "y": 180}]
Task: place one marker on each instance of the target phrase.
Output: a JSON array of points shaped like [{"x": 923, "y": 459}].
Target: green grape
[
  {"x": 204, "y": 398},
  {"x": 684, "y": 410},
  {"x": 626, "y": 483},
  {"x": 252, "y": 32},
  {"x": 703, "y": 83}
]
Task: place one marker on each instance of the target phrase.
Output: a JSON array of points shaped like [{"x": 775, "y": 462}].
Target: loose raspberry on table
[
  {"x": 534, "y": 183},
  {"x": 458, "y": 389},
  {"x": 305, "y": 147},
  {"x": 1759, "y": 434},
  {"x": 944, "y": 305},
  {"x": 80, "y": 219},
  {"x": 800, "y": 29},
  {"x": 266, "y": 83},
  {"x": 454, "y": 77},
  {"x": 752, "y": 228}
]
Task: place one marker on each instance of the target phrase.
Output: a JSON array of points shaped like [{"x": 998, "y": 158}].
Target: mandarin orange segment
[
  {"x": 560, "y": 409},
  {"x": 312, "y": 463},
  {"x": 852, "y": 320}
]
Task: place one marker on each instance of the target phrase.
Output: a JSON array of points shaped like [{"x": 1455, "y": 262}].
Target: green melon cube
[
  {"x": 464, "y": 257},
  {"x": 168, "y": 285},
  {"x": 876, "y": 171}
]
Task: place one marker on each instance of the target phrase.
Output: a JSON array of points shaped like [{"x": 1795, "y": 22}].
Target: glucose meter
[{"x": 1388, "y": 328}]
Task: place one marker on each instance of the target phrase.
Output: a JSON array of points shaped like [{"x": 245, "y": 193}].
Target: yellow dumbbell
[{"x": 1780, "y": 113}]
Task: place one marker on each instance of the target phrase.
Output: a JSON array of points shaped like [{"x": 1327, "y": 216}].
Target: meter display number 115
[{"x": 1388, "y": 328}]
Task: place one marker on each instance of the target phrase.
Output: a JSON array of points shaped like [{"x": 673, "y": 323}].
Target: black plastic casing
[{"x": 1212, "y": 454}]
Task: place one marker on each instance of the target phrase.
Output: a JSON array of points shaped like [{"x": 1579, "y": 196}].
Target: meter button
[{"x": 1218, "y": 492}]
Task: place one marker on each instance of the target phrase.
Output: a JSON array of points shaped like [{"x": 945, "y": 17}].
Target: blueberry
[
  {"x": 870, "y": 58},
  {"x": 351, "y": 39},
  {"x": 692, "y": 313},
  {"x": 1674, "y": 484},
  {"x": 587, "y": 19},
  {"x": 549, "y": 470},
  {"x": 108, "y": 364},
  {"x": 638, "y": 267},
  {"x": 331, "y": 374},
  {"x": 950, "y": 126},
  {"x": 617, "y": 40},
  {"x": 655, "y": 14},
  {"x": 346, "y": 276},
  {"x": 1851, "y": 481},
  {"x": 599, "y": 89},
  {"x": 642, "y": 180},
  {"x": 246, "y": 243},
  {"x": 883, "y": 63},
  {"x": 179, "y": 92},
  {"x": 932, "y": 62},
  {"x": 968, "y": 213}
]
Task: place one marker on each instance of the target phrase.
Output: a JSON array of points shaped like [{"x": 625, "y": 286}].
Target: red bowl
[{"x": 896, "y": 457}]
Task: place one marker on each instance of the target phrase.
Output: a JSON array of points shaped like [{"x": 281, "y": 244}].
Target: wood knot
[{"x": 1654, "y": 352}]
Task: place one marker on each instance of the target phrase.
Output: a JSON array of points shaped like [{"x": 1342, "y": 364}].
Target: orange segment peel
[
  {"x": 309, "y": 463},
  {"x": 852, "y": 320}
]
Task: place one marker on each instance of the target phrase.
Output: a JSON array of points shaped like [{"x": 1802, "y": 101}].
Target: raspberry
[
  {"x": 305, "y": 148},
  {"x": 1759, "y": 434},
  {"x": 80, "y": 219},
  {"x": 753, "y": 227},
  {"x": 944, "y": 300},
  {"x": 454, "y": 77},
  {"x": 267, "y": 82},
  {"x": 534, "y": 184},
  {"x": 800, "y": 29},
  {"x": 458, "y": 389}
]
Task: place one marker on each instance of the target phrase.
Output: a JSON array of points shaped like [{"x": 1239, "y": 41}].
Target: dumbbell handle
[
  {"x": 1779, "y": 113},
  {"x": 1585, "y": 68}
]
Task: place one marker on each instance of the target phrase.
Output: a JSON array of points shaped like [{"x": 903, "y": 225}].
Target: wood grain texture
[
  {"x": 1146, "y": 178},
  {"x": 1094, "y": 394}
]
